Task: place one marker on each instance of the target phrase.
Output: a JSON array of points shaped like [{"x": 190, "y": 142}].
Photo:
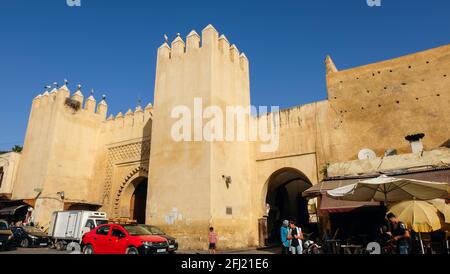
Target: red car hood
[{"x": 151, "y": 238}]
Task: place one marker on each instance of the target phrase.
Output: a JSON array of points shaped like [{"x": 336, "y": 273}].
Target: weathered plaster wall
[
  {"x": 379, "y": 104},
  {"x": 10, "y": 163},
  {"x": 437, "y": 158},
  {"x": 187, "y": 192},
  {"x": 125, "y": 146},
  {"x": 74, "y": 151},
  {"x": 59, "y": 152},
  {"x": 373, "y": 106}
]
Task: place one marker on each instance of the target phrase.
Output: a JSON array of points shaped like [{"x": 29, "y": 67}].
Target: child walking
[{"x": 212, "y": 240}]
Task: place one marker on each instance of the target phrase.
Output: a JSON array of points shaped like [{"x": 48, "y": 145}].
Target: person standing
[
  {"x": 285, "y": 243},
  {"x": 212, "y": 240},
  {"x": 296, "y": 236},
  {"x": 399, "y": 234}
]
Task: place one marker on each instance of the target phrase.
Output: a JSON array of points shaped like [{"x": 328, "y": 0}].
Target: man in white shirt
[{"x": 296, "y": 237}]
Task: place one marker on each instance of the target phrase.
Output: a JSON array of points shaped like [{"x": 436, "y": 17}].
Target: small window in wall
[{"x": 1, "y": 176}]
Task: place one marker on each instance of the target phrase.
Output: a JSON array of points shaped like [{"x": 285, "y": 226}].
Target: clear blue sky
[{"x": 110, "y": 45}]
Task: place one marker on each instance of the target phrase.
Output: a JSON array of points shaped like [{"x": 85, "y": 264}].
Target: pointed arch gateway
[{"x": 131, "y": 197}]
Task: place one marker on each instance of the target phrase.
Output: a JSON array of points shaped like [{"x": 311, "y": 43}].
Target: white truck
[{"x": 68, "y": 227}]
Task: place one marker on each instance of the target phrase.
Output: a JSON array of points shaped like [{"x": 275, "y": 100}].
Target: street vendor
[{"x": 399, "y": 234}]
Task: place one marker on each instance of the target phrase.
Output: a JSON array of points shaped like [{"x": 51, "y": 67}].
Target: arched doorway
[
  {"x": 138, "y": 201},
  {"x": 132, "y": 197},
  {"x": 284, "y": 201}
]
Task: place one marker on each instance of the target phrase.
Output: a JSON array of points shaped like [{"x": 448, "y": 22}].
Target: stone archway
[
  {"x": 283, "y": 193},
  {"x": 138, "y": 200},
  {"x": 130, "y": 199}
]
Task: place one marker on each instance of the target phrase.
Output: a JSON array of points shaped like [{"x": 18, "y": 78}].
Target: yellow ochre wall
[{"x": 187, "y": 193}]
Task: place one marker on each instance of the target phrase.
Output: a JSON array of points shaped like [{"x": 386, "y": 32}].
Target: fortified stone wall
[
  {"x": 303, "y": 136},
  {"x": 374, "y": 106},
  {"x": 187, "y": 188},
  {"x": 125, "y": 148},
  {"x": 9, "y": 162},
  {"x": 68, "y": 148},
  {"x": 58, "y": 152},
  {"x": 379, "y": 104}
]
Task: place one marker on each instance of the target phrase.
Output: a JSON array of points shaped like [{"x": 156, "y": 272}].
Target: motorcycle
[{"x": 311, "y": 247}]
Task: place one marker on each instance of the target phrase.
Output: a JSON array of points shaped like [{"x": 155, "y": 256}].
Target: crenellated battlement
[
  {"x": 59, "y": 97},
  {"x": 137, "y": 118},
  {"x": 208, "y": 43}
]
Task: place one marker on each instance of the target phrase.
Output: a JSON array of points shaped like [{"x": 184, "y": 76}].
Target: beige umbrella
[
  {"x": 389, "y": 189},
  {"x": 442, "y": 207},
  {"x": 420, "y": 216}
]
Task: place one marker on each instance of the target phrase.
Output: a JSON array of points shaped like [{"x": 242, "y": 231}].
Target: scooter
[{"x": 310, "y": 247}]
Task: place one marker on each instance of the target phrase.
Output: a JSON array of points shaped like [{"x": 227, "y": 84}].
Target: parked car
[
  {"x": 29, "y": 236},
  {"x": 173, "y": 244},
  {"x": 123, "y": 239},
  {"x": 5, "y": 235}
]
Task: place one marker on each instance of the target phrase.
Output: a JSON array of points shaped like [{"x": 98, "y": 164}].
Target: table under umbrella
[
  {"x": 420, "y": 216},
  {"x": 391, "y": 190}
]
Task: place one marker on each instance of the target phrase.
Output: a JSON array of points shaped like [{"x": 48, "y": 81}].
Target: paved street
[
  {"x": 239, "y": 251},
  {"x": 54, "y": 251},
  {"x": 34, "y": 251}
]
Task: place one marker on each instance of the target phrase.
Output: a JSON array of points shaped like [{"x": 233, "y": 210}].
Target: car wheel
[
  {"x": 25, "y": 243},
  {"x": 132, "y": 251},
  {"x": 88, "y": 250}
]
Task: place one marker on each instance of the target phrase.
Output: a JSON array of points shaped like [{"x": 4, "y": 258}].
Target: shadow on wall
[
  {"x": 147, "y": 133},
  {"x": 446, "y": 144}
]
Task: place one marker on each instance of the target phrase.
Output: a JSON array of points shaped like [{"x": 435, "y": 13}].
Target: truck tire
[
  {"x": 88, "y": 250},
  {"x": 132, "y": 251},
  {"x": 60, "y": 246},
  {"x": 25, "y": 243},
  {"x": 73, "y": 246}
]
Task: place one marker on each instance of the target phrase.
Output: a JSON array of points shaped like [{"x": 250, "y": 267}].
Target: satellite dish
[
  {"x": 374, "y": 248},
  {"x": 366, "y": 153}
]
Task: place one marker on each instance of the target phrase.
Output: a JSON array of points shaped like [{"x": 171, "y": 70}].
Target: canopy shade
[
  {"x": 389, "y": 189},
  {"x": 331, "y": 205},
  {"x": 323, "y": 187},
  {"x": 442, "y": 207},
  {"x": 11, "y": 210},
  {"x": 419, "y": 216}
]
